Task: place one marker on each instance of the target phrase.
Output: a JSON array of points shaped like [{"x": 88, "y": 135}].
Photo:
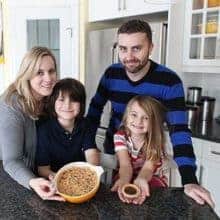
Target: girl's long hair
[
  {"x": 155, "y": 137},
  {"x": 21, "y": 86}
]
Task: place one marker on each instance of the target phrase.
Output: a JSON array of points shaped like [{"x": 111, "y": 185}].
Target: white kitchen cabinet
[
  {"x": 140, "y": 7},
  {"x": 103, "y": 10},
  {"x": 50, "y": 23},
  {"x": 175, "y": 178},
  {"x": 210, "y": 174},
  {"x": 201, "y": 40},
  {"x": 208, "y": 166}
]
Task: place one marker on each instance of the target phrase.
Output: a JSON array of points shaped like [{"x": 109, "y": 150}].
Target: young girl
[
  {"x": 64, "y": 138},
  {"x": 139, "y": 145}
]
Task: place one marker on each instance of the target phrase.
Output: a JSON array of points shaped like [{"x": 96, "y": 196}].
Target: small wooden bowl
[{"x": 131, "y": 191}]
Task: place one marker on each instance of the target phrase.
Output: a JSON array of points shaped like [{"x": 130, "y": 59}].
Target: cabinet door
[
  {"x": 59, "y": 21},
  {"x": 175, "y": 175},
  {"x": 201, "y": 41},
  {"x": 102, "y": 10},
  {"x": 139, "y": 7},
  {"x": 210, "y": 180}
]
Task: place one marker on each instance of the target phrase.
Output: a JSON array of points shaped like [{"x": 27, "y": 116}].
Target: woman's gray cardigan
[{"x": 17, "y": 142}]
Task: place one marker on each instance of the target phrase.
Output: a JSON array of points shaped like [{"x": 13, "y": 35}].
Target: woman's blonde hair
[
  {"x": 21, "y": 86},
  {"x": 155, "y": 138}
]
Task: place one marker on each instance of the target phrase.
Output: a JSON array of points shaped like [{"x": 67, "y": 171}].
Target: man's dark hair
[
  {"x": 72, "y": 87},
  {"x": 135, "y": 26}
]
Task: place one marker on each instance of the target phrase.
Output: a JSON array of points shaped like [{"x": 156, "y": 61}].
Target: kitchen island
[{"x": 18, "y": 202}]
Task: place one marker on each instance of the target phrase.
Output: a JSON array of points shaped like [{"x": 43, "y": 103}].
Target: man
[{"x": 138, "y": 75}]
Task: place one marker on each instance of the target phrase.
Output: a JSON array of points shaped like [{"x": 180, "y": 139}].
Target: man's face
[{"x": 134, "y": 51}]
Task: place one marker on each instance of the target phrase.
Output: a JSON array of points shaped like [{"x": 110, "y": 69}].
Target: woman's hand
[
  {"x": 45, "y": 189},
  {"x": 145, "y": 190}
]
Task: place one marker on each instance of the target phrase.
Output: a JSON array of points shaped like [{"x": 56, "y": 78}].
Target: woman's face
[{"x": 43, "y": 82}]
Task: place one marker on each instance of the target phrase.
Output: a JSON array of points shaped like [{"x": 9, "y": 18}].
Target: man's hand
[{"x": 199, "y": 194}]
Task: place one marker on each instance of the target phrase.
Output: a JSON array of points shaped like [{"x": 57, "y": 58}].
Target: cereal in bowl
[{"x": 77, "y": 181}]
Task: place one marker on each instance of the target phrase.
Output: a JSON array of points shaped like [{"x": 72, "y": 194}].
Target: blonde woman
[
  {"x": 139, "y": 145},
  {"x": 21, "y": 105}
]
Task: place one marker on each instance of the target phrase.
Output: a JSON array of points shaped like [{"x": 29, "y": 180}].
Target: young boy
[{"x": 65, "y": 137}]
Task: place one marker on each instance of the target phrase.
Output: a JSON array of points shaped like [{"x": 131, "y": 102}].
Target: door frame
[{"x": 68, "y": 14}]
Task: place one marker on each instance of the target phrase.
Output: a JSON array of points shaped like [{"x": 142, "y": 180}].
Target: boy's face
[
  {"x": 65, "y": 108},
  {"x": 137, "y": 120}
]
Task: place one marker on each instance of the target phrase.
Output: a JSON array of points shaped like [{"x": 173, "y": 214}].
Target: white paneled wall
[
  {"x": 209, "y": 83},
  {"x": 1, "y": 79}
]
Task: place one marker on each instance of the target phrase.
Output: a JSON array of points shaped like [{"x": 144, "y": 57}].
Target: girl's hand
[
  {"x": 145, "y": 190},
  {"x": 118, "y": 187},
  {"x": 45, "y": 189}
]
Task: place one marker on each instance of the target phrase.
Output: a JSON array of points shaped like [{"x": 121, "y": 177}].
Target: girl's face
[
  {"x": 43, "y": 82},
  {"x": 137, "y": 120},
  {"x": 65, "y": 108}
]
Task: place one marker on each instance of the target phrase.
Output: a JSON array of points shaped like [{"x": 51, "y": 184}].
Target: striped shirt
[
  {"x": 160, "y": 83},
  {"x": 137, "y": 156}
]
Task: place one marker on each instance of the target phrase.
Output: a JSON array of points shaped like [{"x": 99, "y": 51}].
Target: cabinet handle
[
  {"x": 124, "y": 8},
  {"x": 70, "y": 30},
  {"x": 119, "y": 5},
  {"x": 215, "y": 152},
  {"x": 160, "y": 2},
  {"x": 200, "y": 174}
]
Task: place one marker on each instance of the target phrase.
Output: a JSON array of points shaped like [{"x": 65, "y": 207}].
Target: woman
[{"x": 21, "y": 105}]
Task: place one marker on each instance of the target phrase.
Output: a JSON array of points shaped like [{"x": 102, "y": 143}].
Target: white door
[{"x": 68, "y": 36}]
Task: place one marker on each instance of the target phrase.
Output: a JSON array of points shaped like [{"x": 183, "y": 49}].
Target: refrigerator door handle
[
  {"x": 124, "y": 7},
  {"x": 114, "y": 53},
  {"x": 119, "y": 5}
]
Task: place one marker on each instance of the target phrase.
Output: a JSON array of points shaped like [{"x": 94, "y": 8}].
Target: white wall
[{"x": 1, "y": 78}]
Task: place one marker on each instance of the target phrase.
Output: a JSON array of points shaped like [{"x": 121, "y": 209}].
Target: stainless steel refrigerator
[{"x": 102, "y": 52}]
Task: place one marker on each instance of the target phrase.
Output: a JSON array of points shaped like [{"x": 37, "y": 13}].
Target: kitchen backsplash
[{"x": 209, "y": 83}]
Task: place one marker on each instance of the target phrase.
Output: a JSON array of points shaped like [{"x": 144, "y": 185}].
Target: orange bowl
[{"x": 98, "y": 170}]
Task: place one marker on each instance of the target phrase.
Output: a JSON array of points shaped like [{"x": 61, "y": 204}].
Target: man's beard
[{"x": 137, "y": 68}]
